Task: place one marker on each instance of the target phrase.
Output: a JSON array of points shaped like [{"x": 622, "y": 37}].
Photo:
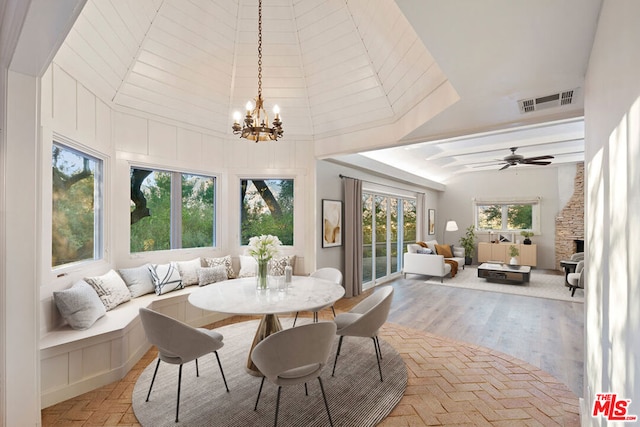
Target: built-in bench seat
[{"x": 73, "y": 362}]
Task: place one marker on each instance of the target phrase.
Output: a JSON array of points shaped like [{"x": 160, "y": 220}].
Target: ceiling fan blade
[
  {"x": 536, "y": 163},
  {"x": 528, "y": 159},
  {"x": 505, "y": 166}
]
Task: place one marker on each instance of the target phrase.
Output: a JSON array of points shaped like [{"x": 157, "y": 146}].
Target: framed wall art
[
  {"x": 331, "y": 223},
  {"x": 432, "y": 221}
]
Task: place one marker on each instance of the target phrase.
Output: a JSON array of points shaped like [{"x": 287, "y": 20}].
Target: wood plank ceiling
[{"x": 332, "y": 66}]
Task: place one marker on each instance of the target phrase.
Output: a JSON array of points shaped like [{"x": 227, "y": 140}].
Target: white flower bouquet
[{"x": 263, "y": 248}]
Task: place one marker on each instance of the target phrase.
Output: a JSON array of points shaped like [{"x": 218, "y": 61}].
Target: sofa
[{"x": 426, "y": 261}]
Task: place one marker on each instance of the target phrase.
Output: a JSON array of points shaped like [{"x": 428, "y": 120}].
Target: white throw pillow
[
  {"x": 413, "y": 248},
  {"x": 208, "y": 275},
  {"x": 188, "y": 271},
  {"x": 110, "y": 288},
  {"x": 166, "y": 278},
  {"x": 138, "y": 280},
  {"x": 431, "y": 244},
  {"x": 79, "y": 305},
  {"x": 248, "y": 266},
  {"x": 225, "y": 260}
]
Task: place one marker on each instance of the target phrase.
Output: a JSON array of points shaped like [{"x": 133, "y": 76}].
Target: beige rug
[
  {"x": 356, "y": 396},
  {"x": 541, "y": 285}
]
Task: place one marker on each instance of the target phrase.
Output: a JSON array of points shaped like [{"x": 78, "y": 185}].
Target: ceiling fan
[{"x": 516, "y": 159}]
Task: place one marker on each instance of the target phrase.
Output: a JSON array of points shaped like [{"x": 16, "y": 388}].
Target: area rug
[
  {"x": 356, "y": 396},
  {"x": 541, "y": 285}
]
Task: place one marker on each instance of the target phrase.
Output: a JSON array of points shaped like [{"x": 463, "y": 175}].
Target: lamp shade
[{"x": 451, "y": 226}]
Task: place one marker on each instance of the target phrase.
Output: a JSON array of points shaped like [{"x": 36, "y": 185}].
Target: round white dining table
[{"x": 240, "y": 296}]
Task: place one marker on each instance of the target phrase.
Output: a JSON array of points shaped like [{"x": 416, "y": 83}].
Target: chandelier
[{"x": 255, "y": 126}]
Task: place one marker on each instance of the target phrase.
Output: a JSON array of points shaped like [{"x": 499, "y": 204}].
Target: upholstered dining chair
[
  {"x": 328, "y": 273},
  {"x": 576, "y": 279},
  {"x": 294, "y": 356},
  {"x": 364, "y": 320},
  {"x": 179, "y": 343}
]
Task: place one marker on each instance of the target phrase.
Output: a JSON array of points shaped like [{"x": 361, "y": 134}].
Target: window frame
[
  {"x": 296, "y": 206},
  {"x": 504, "y": 204},
  {"x": 175, "y": 232},
  {"x": 48, "y": 273}
]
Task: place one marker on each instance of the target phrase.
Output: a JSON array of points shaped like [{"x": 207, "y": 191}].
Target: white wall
[
  {"x": 457, "y": 202},
  {"x": 612, "y": 159}
]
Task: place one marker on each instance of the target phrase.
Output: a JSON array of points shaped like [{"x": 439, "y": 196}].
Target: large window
[
  {"x": 267, "y": 208},
  {"x": 388, "y": 224},
  {"x": 76, "y": 233},
  {"x": 171, "y": 210},
  {"x": 514, "y": 216}
]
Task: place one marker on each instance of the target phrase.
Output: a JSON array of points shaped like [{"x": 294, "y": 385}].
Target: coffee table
[
  {"x": 505, "y": 273},
  {"x": 240, "y": 296}
]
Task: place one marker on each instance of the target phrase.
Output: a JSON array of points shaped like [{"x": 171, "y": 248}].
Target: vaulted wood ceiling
[
  {"x": 352, "y": 75},
  {"x": 330, "y": 65}
]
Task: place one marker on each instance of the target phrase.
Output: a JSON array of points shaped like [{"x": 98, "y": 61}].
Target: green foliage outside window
[
  {"x": 267, "y": 208},
  {"x": 74, "y": 220},
  {"x": 505, "y": 217},
  {"x": 151, "y": 202}
]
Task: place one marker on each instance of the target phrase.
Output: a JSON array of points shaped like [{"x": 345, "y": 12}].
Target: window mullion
[{"x": 176, "y": 210}]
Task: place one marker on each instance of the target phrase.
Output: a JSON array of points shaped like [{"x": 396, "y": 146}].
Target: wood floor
[{"x": 546, "y": 333}]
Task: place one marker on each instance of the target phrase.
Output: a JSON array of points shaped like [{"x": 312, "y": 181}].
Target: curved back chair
[
  {"x": 294, "y": 356},
  {"x": 179, "y": 343},
  {"x": 364, "y": 320},
  {"x": 327, "y": 273},
  {"x": 576, "y": 279}
]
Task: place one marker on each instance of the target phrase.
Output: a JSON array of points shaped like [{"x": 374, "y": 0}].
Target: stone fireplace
[{"x": 570, "y": 221}]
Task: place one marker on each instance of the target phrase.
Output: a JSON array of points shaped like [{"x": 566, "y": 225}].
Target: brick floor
[{"x": 449, "y": 384}]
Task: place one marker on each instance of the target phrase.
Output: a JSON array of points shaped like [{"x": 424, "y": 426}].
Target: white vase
[{"x": 513, "y": 261}]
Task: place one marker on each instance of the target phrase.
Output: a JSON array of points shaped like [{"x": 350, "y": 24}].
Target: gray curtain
[
  {"x": 421, "y": 223},
  {"x": 352, "y": 236}
]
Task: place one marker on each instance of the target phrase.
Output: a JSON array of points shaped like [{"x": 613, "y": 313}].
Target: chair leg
[
  {"x": 178, "y": 399},
  {"x": 153, "y": 379},
  {"x": 378, "y": 344},
  {"x": 377, "y": 357},
  {"x": 295, "y": 319},
  {"x": 573, "y": 290},
  {"x": 275, "y": 423},
  {"x": 255, "y": 408},
  {"x": 221, "y": 371},
  {"x": 334, "y": 311},
  {"x": 337, "y": 354},
  {"x": 197, "y": 370},
  {"x": 326, "y": 404},
  {"x": 306, "y": 390}
]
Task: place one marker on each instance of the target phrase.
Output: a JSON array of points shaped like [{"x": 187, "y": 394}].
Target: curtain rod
[{"x": 377, "y": 183}]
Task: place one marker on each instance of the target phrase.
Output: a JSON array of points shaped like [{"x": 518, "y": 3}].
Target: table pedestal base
[{"x": 269, "y": 324}]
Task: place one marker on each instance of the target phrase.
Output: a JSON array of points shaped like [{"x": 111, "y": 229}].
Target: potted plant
[
  {"x": 468, "y": 242},
  {"x": 513, "y": 253},
  {"x": 526, "y": 235}
]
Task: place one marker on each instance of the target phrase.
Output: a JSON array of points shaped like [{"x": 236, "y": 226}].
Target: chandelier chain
[{"x": 260, "y": 49}]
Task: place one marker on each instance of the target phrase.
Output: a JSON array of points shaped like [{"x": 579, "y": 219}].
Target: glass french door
[{"x": 388, "y": 221}]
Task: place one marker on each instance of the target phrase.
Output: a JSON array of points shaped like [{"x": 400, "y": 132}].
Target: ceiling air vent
[{"x": 549, "y": 101}]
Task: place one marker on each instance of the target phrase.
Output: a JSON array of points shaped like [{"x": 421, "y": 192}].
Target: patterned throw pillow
[
  {"x": 79, "y": 305},
  {"x": 277, "y": 265},
  {"x": 110, "y": 288},
  {"x": 209, "y": 275},
  {"x": 188, "y": 271},
  {"x": 226, "y": 261},
  {"x": 166, "y": 278},
  {"x": 138, "y": 280}
]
